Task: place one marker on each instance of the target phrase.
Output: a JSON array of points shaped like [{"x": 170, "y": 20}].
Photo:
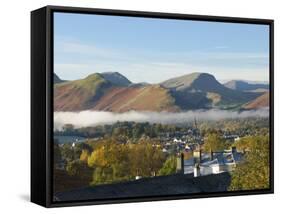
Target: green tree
[
  {"x": 146, "y": 158},
  {"x": 169, "y": 166},
  {"x": 57, "y": 153},
  {"x": 67, "y": 152},
  {"x": 254, "y": 172},
  {"x": 79, "y": 171},
  {"x": 215, "y": 143}
]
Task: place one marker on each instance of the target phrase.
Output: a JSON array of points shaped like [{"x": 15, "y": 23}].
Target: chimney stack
[
  {"x": 180, "y": 163},
  {"x": 197, "y": 156},
  {"x": 196, "y": 170}
]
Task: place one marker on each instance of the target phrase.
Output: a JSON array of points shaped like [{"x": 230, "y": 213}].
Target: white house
[
  {"x": 212, "y": 163},
  {"x": 177, "y": 140}
]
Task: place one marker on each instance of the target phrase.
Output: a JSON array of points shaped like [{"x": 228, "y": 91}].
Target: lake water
[{"x": 70, "y": 139}]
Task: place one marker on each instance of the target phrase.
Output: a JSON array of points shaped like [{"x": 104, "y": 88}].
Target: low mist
[{"x": 93, "y": 118}]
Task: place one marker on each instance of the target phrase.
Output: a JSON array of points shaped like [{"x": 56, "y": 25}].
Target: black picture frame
[{"x": 42, "y": 102}]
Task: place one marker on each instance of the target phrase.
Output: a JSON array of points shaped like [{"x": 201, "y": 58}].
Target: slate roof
[
  {"x": 221, "y": 158},
  {"x": 156, "y": 186}
]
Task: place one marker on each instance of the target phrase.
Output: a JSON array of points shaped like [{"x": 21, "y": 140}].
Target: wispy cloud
[
  {"x": 80, "y": 48},
  {"x": 75, "y": 59},
  {"x": 87, "y": 50}
]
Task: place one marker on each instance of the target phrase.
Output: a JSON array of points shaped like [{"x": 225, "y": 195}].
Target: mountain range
[
  {"x": 111, "y": 91},
  {"x": 245, "y": 86}
]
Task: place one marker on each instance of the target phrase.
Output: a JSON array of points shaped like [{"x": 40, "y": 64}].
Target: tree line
[{"x": 107, "y": 161}]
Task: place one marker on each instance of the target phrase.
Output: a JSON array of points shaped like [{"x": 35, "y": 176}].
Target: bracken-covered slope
[
  {"x": 260, "y": 102},
  {"x": 148, "y": 98},
  {"x": 79, "y": 94}
]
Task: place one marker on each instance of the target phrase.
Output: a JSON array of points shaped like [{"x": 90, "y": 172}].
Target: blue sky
[{"x": 153, "y": 50}]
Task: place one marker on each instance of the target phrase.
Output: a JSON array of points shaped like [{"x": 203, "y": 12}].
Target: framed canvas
[{"x": 132, "y": 106}]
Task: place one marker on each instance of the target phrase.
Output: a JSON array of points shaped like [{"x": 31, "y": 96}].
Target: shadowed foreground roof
[{"x": 157, "y": 186}]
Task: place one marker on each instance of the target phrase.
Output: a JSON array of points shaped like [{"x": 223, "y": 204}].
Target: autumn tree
[
  {"x": 215, "y": 143},
  {"x": 84, "y": 155},
  {"x": 113, "y": 162},
  {"x": 145, "y": 158},
  {"x": 110, "y": 163}
]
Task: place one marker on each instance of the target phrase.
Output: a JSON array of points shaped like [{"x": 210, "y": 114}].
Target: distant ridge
[
  {"x": 260, "y": 102},
  {"x": 57, "y": 79},
  {"x": 245, "y": 86}
]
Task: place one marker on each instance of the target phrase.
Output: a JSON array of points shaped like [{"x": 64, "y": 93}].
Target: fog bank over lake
[{"x": 93, "y": 118}]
